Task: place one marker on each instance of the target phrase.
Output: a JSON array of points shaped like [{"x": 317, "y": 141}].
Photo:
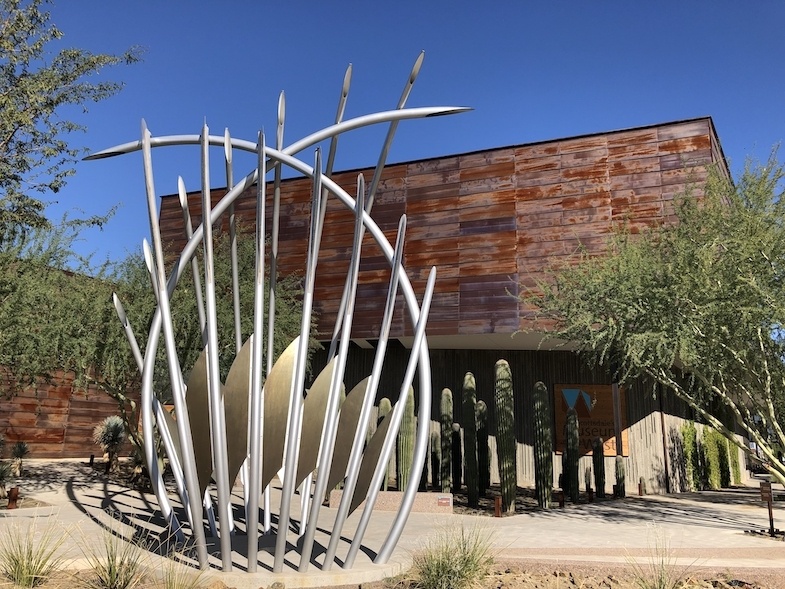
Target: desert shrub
[
  {"x": 456, "y": 558},
  {"x": 6, "y": 474},
  {"x": 110, "y": 435},
  {"x": 28, "y": 557}
]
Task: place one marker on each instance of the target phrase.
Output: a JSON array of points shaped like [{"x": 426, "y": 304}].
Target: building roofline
[{"x": 707, "y": 118}]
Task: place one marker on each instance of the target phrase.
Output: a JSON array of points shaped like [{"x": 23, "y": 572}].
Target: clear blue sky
[{"x": 531, "y": 70}]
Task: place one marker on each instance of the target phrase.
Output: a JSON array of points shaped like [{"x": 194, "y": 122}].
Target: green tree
[
  {"x": 37, "y": 84},
  {"x": 698, "y": 306},
  {"x": 56, "y": 319}
]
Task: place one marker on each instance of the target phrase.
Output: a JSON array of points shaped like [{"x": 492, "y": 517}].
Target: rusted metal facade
[{"x": 491, "y": 221}]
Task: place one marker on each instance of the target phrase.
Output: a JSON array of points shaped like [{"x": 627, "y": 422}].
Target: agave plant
[{"x": 110, "y": 435}]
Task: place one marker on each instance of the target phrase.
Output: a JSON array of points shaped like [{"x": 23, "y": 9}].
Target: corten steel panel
[{"x": 499, "y": 212}]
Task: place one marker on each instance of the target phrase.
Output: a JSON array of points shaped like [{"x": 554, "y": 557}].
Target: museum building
[{"x": 491, "y": 222}]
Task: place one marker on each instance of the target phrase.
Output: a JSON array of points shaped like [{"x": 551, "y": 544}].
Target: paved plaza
[{"x": 704, "y": 529}]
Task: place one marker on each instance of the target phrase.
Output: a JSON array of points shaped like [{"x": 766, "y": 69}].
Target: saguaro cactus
[
  {"x": 505, "y": 434},
  {"x": 406, "y": 442},
  {"x": 384, "y": 409},
  {"x": 598, "y": 459},
  {"x": 572, "y": 453},
  {"x": 483, "y": 451},
  {"x": 621, "y": 475},
  {"x": 470, "y": 470},
  {"x": 445, "y": 414},
  {"x": 543, "y": 445},
  {"x": 457, "y": 457},
  {"x": 436, "y": 446}
]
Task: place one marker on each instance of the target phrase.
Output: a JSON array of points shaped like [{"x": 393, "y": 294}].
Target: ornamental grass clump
[
  {"x": 117, "y": 563},
  {"x": 29, "y": 553},
  {"x": 456, "y": 558},
  {"x": 660, "y": 570}
]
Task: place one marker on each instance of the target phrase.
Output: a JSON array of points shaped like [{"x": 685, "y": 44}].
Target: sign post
[{"x": 765, "y": 495}]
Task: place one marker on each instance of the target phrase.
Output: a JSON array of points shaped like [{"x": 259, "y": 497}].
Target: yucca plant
[
  {"x": 29, "y": 557},
  {"x": 110, "y": 435},
  {"x": 6, "y": 474},
  {"x": 19, "y": 452}
]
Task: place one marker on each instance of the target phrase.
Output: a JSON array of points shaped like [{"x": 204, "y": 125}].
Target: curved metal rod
[
  {"x": 389, "y": 442},
  {"x": 330, "y": 425},
  {"x": 298, "y": 380},
  {"x": 310, "y": 140},
  {"x": 175, "y": 372},
  {"x": 355, "y": 455}
]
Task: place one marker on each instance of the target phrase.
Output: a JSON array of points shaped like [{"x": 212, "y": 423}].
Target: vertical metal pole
[
  {"x": 217, "y": 423},
  {"x": 377, "y": 174},
  {"x": 355, "y": 456},
  {"x": 267, "y": 524},
  {"x": 175, "y": 374},
  {"x": 326, "y": 447},
  {"x": 389, "y": 442},
  {"x": 194, "y": 262},
  {"x": 238, "y": 336},
  {"x": 257, "y": 407},
  {"x": 295, "y": 396},
  {"x": 155, "y": 478}
]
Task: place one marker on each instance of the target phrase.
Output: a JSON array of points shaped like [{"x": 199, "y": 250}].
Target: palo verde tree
[
  {"x": 39, "y": 78},
  {"x": 56, "y": 313},
  {"x": 697, "y": 306}
]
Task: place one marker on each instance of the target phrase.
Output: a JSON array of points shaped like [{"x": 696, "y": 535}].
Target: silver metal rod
[
  {"x": 295, "y": 397},
  {"x": 175, "y": 373},
  {"x": 194, "y": 262},
  {"x": 255, "y": 440},
  {"x": 217, "y": 422},
  {"x": 238, "y": 336},
  {"x": 389, "y": 442},
  {"x": 355, "y": 456},
  {"x": 330, "y": 426},
  {"x": 377, "y": 175},
  {"x": 155, "y": 477},
  {"x": 309, "y": 141},
  {"x": 407, "y": 89},
  {"x": 267, "y": 523}
]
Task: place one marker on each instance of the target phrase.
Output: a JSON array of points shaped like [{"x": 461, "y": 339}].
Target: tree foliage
[
  {"x": 697, "y": 306},
  {"x": 55, "y": 319},
  {"x": 37, "y": 85}
]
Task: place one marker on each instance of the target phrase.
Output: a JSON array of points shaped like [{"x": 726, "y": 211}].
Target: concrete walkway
[{"x": 700, "y": 529}]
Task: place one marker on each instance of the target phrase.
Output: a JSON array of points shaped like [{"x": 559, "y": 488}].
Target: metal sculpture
[{"x": 263, "y": 396}]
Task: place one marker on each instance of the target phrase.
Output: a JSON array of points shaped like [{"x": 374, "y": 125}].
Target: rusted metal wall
[
  {"x": 490, "y": 220},
  {"x": 54, "y": 417}
]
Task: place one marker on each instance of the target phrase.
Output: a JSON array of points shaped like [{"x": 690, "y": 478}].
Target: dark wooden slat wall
[{"x": 489, "y": 221}]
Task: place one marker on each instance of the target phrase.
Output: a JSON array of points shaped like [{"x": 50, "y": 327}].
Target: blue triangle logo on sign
[{"x": 570, "y": 397}]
